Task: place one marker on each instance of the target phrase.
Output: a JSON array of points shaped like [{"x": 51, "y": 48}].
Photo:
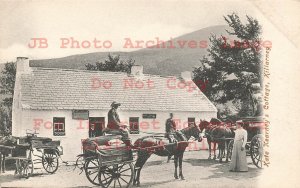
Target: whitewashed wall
[{"x": 71, "y": 142}]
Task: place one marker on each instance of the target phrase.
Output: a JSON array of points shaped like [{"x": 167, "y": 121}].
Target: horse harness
[{"x": 180, "y": 137}]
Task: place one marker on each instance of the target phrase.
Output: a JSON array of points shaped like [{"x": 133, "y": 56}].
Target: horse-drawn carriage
[
  {"x": 28, "y": 151},
  {"x": 107, "y": 161},
  {"x": 254, "y": 146},
  {"x": 222, "y": 133}
]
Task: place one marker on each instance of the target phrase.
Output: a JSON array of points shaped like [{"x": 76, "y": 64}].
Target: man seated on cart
[{"x": 114, "y": 124}]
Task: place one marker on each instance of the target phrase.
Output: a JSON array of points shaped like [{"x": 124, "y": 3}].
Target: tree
[
  {"x": 112, "y": 64},
  {"x": 7, "y": 84},
  {"x": 5, "y": 124},
  {"x": 233, "y": 66}
]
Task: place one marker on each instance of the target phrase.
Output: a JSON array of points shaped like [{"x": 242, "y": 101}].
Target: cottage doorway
[{"x": 96, "y": 126}]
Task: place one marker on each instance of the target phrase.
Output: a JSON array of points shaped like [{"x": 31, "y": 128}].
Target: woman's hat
[{"x": 240, "y": 122}]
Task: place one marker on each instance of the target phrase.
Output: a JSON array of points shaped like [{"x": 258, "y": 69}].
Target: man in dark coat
[
  {"x": 113, "y": 117},
  {"x": 114, "y": 124},
  {"x": 170, "y": 128},
  {"x": 170, "y": 131}
]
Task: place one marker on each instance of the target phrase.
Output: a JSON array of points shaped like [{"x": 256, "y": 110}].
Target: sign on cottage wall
[
  {"x": 80, "y": 114},
  {"x": 149, "y": 116}
]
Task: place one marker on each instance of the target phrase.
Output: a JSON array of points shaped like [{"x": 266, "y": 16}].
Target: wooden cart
[
  {"x": 106, "y": 166},
  {"x": 24, "y": 149}
]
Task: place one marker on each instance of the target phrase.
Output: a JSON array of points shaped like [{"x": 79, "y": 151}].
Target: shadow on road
[
  {"x": 10, "y": 177},
  {"x": 7, "y": 178},
  {"x": 200, "y": 162},
  {"x": 221, "y": 170},
  {"x": 154, "y": 163},
  {"x": 156, "y": 183}
]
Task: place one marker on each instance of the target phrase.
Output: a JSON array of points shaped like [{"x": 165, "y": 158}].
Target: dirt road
[{"x": 197, "y": 169}]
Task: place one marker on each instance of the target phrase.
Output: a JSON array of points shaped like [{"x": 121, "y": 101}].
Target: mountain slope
[{"x": 162, "y": 61}]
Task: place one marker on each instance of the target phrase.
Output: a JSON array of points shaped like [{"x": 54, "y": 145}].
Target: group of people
[
  {"x": 117, "y": 128},
  {"x": 238, "y": 159}
]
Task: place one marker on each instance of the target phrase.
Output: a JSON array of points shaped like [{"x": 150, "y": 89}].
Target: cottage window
[
  {"x": 134, "y": 125},
  {"x": 191, "y": 121},
  {"x": 59, "y": 126}
]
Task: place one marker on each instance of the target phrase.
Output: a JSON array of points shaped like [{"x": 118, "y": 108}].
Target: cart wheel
[
  {"x": 91, "y": 170},
  {"x": 50, "y": 162},
  {"x": 118, "y": 175},
  {"x": 80, "y": 162},
  {"x": 230, "y": 148},
  {"x": 27, "y": 168},
  {"x": 24, "y": 167},
  {"x": 256, "y": 150}
]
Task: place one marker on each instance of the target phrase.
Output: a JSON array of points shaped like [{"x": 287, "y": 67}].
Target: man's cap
[{"x": 115, "y": 104}]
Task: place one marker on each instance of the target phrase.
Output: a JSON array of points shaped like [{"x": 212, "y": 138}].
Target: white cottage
[{"x": 70, "y": 105}]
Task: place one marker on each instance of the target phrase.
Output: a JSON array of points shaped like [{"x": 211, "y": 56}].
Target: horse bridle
[{"x": 198, "y": 137}]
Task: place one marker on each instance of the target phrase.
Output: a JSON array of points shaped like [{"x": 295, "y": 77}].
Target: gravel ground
[{"x": 197, "y": 169}]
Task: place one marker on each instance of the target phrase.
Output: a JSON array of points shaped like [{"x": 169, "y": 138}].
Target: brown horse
[
  {"x": 217, "y": 133},
  {"x": 154, "y": 145}
]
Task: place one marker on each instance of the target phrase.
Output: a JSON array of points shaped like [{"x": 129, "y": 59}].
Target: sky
[{"x": 110, "y": 21}]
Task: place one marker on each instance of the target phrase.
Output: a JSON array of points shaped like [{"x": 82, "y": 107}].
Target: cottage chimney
[
  {"x": 22, "y": 68},
  {"x": 23, "y": 65},
  {"x": 137, "y": 70},
  {"x": 186, "y": 75}
]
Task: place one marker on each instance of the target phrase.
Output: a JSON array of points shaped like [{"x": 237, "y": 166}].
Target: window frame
[
  {"x": 135, "y": 131},
  {"x": 59, "y": 126}
]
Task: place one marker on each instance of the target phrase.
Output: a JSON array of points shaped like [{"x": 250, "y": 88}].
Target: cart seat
[
  {"x": 43, "y": 139},
  {"x": 101, "y": 140},
  {"x": 152, "y": 141}
]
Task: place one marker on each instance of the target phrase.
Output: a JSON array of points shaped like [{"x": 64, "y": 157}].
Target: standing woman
[{"x": 238, "y": 159}]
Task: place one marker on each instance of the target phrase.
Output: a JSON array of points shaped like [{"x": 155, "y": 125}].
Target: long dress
[{"x": 238, "y": 159}]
